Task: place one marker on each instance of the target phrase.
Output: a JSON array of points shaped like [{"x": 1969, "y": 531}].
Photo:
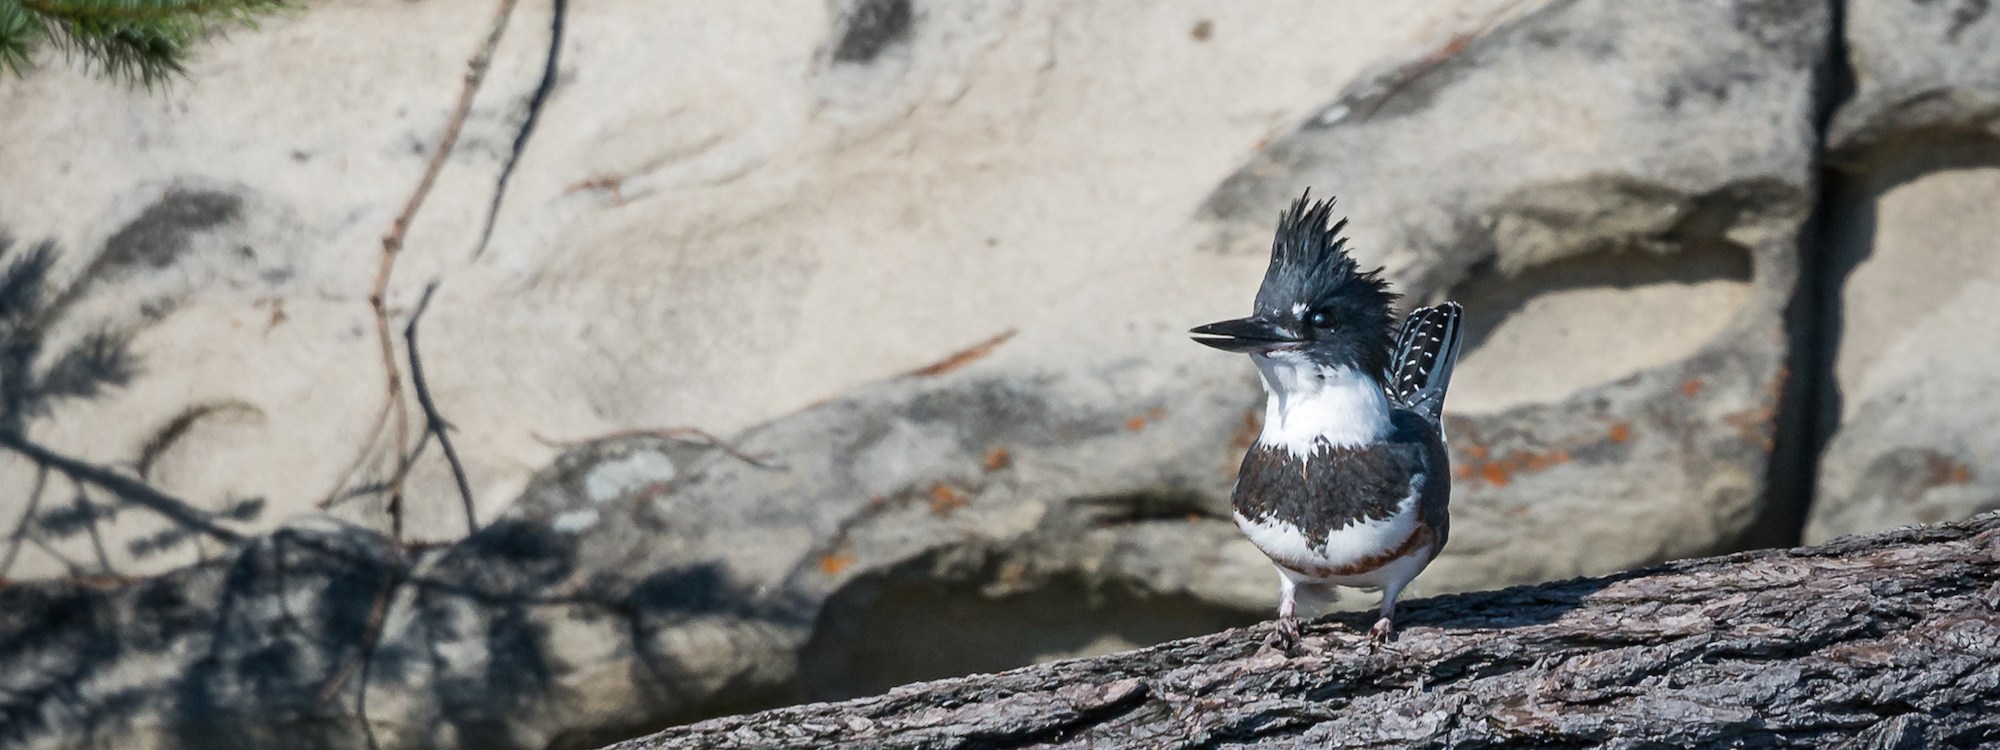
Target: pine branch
[
  {"x": 143, "y": 53},
  {"x": 143, "y": 11},
  {"x": 137, "y": 41},
  {"x": 18, "y": 32},
  {"x": 126, "y": 488}
]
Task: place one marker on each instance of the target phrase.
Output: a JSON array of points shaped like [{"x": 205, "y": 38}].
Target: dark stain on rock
[
  {"x": 1776, "y": 26},
  {"x": 1407, "y": 90},
  {"x": 1963, "y": 13},
  {"x": 870, "y": 27},
  {"x": 928, "y": 618},
  {"x": 1000, "y": 411},
  {"x": 1907, "y": 474},
  {"x": 159, "y": 236}
]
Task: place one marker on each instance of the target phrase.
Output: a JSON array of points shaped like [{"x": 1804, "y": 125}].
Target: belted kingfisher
[{"x": 1348, "y": 484}]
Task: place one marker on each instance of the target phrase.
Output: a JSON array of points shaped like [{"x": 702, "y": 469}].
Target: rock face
[
  {"x": 1617, "y": 403},
  {"x": 1916, "y": 403},
  {"x": 789, "y": 202},
  {"x": 926, "y": 527},
  {"x": 1921, "y": 69},
  {"x": 784, "y": 227},
  {"x": 1913, "y": 271}
]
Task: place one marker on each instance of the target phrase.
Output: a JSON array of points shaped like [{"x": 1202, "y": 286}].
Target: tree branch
[
  {"x": 392, "y": 247},
  {"x": 1891, "y": 640},
  {"x": 126, "y": 488},
  {"x": 433, "y": 421}
]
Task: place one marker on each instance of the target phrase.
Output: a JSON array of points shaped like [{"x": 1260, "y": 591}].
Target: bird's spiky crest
[{"x": 1310, "y": 264}]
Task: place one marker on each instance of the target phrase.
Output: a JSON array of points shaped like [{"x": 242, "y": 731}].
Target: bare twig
[
  {"x": 27, "y": 516},
  {"x": 434, "y": 423},
  {"x": 392, "y": 246},
  {"x": 382, "y": 485},
  {"x": 340, "y": 492},
  {"x": 177, "y": 428},
  {"x": 126, "y": 488},
  {"x": 559, "y": 14},
  {"x": 685, "y": 434},
  {"x": 965, "y": 356},
  {"x": 76, "y": 570},
  {"x": 88, "y": 513}
]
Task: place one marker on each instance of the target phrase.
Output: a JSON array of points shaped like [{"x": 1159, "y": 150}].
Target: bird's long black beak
[{"x": 1246, "y": 335}]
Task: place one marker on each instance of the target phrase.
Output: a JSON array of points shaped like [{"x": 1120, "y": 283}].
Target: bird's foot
[
  {"x": 1286, "y": 636},
  {"x": 1384, "y": 631}
]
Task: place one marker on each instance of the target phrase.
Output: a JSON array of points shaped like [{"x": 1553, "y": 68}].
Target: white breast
[
  {"x": 1307, "y": 403},
  {"x": 1287, "y": 545}
]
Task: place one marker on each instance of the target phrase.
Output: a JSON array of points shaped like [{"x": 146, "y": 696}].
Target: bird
[{"x": 1348, "y": 483}]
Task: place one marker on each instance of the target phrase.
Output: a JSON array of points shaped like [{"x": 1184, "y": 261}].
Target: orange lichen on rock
[
  {"x": 1691, "y": 387},
  {"x": 1755, "y": 425},
  {"x": 997, "y": 458},
  {"x": 1540, "y": 461},
  {"x": 1499, "y": 472},
  {"x": 1138, "y": 423},
  {"x": 832, "y": 563},
  {"x": 945, "y": 499},
  {"x": 1620, "y": 432}
]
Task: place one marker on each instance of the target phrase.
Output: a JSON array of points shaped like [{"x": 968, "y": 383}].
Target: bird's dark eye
[{"x": 1319, "y": 319}]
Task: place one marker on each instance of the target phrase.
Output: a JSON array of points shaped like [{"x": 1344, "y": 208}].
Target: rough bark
[{"x": 1888, "y": 640}]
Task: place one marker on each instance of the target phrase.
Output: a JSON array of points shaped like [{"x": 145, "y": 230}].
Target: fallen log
[{"x": 1889, "y": 640}]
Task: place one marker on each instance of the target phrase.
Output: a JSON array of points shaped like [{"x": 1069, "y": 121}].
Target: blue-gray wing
[{"x": 1429, "y": 470}]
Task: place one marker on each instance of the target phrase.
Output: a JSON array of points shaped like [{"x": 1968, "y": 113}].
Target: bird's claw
[
  {"x": 1286, "y": 637},
  {"x": 1383, "y": 631}
]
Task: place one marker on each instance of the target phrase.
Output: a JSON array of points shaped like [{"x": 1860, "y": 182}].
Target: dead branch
[
  {"x": 126, "y": 488},
  {"x": 965, "y": 356},
  {"x": 1889, "y": 640},
  {"x": 16, "y": 539},
  {"x": 434, "y": 423},
  {"x": 392, "y": 247}
]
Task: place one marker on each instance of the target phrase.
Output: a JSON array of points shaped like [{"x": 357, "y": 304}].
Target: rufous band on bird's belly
[{"x": 1420, "y": 538}]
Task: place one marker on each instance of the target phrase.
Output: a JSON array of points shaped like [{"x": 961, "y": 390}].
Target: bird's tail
[{"x": 1425, "y": 354}]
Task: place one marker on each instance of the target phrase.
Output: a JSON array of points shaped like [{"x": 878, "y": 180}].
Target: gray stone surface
[
  {"x": 1922, "y": 69},
  {"x": 1915, "y": 389},
  {"x": 728, "y": 212},
  {"x": 1912, "y": 268},
  {"x": 1066, "y": 494},
  {"x": 921, "y": 528}
]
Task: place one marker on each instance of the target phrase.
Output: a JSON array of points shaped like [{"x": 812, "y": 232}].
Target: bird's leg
[
  {"x": 1287, "y": 637},
  {"x": 1385, "y": 623},
  {"x": 1288, "y": 622},
  {"x": 1384, "y": 626}
]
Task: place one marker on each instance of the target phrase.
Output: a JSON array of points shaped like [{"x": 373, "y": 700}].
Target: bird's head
[{"x": 1315, "y": 300}]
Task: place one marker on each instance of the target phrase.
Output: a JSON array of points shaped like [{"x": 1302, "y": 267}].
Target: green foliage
[{"x": 137, "y": 41}]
